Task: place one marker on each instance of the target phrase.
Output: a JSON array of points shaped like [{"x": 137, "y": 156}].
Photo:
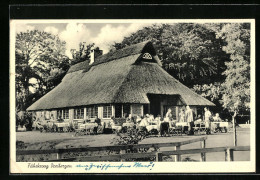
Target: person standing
[
  {"x": 168, "y": 115},
  {"x": 188, "y": 114},
  {"x": 182, "y": 116},
  {"x": 207, "y": 118},
  {"x": 189, "y": 118}
]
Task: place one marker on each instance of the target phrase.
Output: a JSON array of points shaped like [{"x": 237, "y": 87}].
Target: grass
[{"x": 36, "y": 140}]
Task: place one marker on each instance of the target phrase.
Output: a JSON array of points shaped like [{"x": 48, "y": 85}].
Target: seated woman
[
  {"x": 216, "y": 118},
  {"x": 198, "y": 120}
]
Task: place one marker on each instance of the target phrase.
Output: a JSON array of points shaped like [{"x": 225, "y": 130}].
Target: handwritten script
[{"x": 107, "y": 166}]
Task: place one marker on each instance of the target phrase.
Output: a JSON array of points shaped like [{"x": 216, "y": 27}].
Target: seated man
[
  {"x": 143, "y": 124},
  {"x": 138, "y": 119},
  {"x": 97, "y": 120},
  {"x": 164, "y": 127},
  {"x": 60, "y": 119},
  {"x": 216, "y": 118},
  {"x": 129, "y": 119}
]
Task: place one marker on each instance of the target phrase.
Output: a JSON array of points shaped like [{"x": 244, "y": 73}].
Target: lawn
[{"x": 37, "y": 140}]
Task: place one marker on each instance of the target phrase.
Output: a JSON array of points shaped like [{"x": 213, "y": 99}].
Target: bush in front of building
[
  {"x": 24, "y": 118},
  {"x": 119, "y": 121}
]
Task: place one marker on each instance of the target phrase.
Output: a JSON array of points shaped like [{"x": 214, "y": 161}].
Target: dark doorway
[{"x": 155, "y": 104}]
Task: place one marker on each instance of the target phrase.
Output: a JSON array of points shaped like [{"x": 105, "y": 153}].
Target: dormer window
[{"x": 147, "y": 56}]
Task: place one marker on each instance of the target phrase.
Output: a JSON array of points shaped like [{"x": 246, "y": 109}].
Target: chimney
[{"x": 94, "y": 53}]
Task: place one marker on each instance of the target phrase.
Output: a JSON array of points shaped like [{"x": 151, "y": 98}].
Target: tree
[
  {"x": 36, "y": 53},
  {"x": 236, "y": 95},
  {"x": 236, "y": 86},
  {"x": 83, "y": 53},
  {"x": 189, "y": 52}
]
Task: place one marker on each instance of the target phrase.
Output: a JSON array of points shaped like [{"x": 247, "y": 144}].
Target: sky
[{"x": 102, "y": 34}]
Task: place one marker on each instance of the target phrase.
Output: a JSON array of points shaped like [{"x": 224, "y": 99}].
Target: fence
[{"x": 229, "y": 155}]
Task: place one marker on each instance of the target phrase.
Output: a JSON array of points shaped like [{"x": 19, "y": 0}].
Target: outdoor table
[
  {"x": 151, "y": 127},
  {"x": 117, "y": 128},
  {"x": 63, "y": 124},
  {"x": 221, "y": 124},
  {"x": 128, "y": 124},
  {"x": 182, "y": 124},
  {"x": 88, "y": 126}
]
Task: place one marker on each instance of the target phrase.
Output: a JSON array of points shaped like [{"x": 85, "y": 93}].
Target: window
[
  {"x": 137, "y": 109},
  {"x": 107, "y": 111},
  {"x": 79, "y": 113},
  {"x": 65, "y": 114},
  {"x": 92, "y": 111},
  {"x": 147, "y": 56},
  {"x": 126, "y": 110}
]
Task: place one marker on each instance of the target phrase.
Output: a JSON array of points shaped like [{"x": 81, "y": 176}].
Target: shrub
[
  {"x": 119, "y": 121},
  {"x": 24, "y": 118}
]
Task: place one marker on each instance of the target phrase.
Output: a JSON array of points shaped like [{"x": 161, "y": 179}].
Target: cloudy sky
[{"x": 102, "y": 34}]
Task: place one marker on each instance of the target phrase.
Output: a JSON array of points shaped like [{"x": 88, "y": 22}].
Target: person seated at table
[
  {"x": 198, "y": 119},
  {"x": 151, "y": 119},
  {"x": 52, "y": 118},
  {"x": 216, "y": 118},
  {"x": 86, "y": 120},
  {"x": 60, "y": 119},
  {"x": 97, "y": 120},
  {"x": 129, "y": 119},
  {"x": 158, "y": 118},
  {"x": 143, "y": 123},
  {"x": 168, "y": 115},
  {"x": 164, "y": 127},
  {"x": 37, "y": 124},
  {"x": 138, "y": 119}
]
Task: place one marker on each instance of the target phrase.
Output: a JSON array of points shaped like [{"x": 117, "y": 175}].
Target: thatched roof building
[{"x": 132, "y": 76}]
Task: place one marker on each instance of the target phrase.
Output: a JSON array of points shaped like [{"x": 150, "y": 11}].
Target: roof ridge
[{"x": 110, "y": 56}]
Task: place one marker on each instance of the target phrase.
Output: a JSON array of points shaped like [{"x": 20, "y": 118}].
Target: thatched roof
[{"x": 116, "y": 78}]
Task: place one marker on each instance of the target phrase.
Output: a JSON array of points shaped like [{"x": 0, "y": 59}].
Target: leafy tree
[
  {"x": 189, "y": 52},
  {"x": 36, "y": 54},
  {"x": 236, "y": 95},
  {"x": 83, "y": 53}
]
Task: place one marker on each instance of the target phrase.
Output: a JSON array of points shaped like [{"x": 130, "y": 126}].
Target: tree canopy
[
  {"x": 37, "y": 54},
  {"x": 189, "y": 52},
  {"x": 236, "y": 94},
  {"x": 213, "y": 59},
  {"x": 83, "y": 53}
]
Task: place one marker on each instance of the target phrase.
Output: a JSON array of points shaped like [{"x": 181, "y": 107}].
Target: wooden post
[
  {"x": 59, "y": 155},
  {"x": 122, "y": 111},
  {"x": 158, "y": 156},
  {"x": 234, "y": 129},
  {"x": 177, "y": 113},
  {"x": 177, "y": 158},
  {"x": 229, "y": 154},
  {"x": 203, "y": 155},
  {"x": 123, "y": 151}
]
